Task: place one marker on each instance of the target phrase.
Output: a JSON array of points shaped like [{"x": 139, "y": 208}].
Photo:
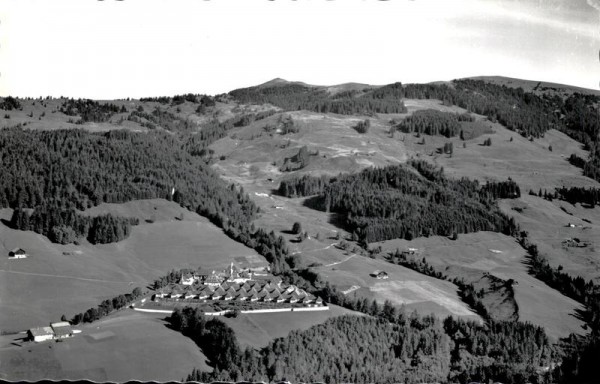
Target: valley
[{"x": 195, "y": 181}]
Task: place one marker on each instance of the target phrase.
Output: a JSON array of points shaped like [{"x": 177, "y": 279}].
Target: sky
[{"x": 133, "y": 48}]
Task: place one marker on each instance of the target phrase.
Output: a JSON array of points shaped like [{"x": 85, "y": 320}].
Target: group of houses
[
  {"x": 56, "y": 331},
  {"x": 235, "y": 285}
]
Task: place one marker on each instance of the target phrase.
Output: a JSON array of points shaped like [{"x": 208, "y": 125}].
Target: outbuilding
[{"x": 62, "y": 330}]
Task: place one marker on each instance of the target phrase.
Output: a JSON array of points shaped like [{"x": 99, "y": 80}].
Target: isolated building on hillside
[
  {"x": 62, "y": 330},
  {"x": 17, "y": 253},
  {"x": 380, "y": 274},
  {"x": 40, "y": 334}
]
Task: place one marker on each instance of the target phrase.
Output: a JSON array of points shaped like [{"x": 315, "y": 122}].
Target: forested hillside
[
  {"x": 53, "y": 174},
  {"x": 391, "y": 346},
  {"x": 407, "y": 202},
  {"x": 296, "y": 97}
]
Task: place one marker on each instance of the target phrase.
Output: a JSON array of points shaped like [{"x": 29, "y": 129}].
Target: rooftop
[{"x": 41, "y": 331}]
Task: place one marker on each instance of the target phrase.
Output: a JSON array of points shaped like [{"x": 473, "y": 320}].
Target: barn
[
  {"x": 62, "y": 330},
  {"x": 40, "y": 334},
  {"x": 17, "y": 253}
]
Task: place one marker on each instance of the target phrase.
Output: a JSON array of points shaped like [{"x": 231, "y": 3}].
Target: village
[{"x": 236, "y": 285}]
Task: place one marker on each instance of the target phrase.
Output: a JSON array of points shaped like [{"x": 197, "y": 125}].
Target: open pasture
[
  {"x": 67, "y": 279},
  {"x": 124, "y": 346},
  {"x": 486, "y": 252},
  {"x": 256, "y": 330}
]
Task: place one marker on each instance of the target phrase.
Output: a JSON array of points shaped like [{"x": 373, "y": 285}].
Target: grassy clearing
[
  {"x": 259, "y": 329},
  {"x": 416, "y": 291},
  {"x": 531, "y": 164},
  {"x": 121, "y": 347},
  {"x": 547, "y": 223},
  {"x": 472, "y": 255},
  {"x": 68, "y": 279}
]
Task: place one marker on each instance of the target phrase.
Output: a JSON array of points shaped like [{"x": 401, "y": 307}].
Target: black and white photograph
[{"x": 300, "y": 191}]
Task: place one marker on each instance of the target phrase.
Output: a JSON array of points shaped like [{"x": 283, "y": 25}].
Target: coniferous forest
[
  {"x": 387, "y": 346},
  {"x": 407, "y": 202},
  {"x": 48, "y": 176}
]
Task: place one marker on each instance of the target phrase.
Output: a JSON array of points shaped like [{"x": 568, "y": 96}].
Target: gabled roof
[
  {"x": 63, "y": 331},
  {"x": 41, "y": 331},
  {"x": 219, "y": 291},
  {"x": 18, "y": 251}
]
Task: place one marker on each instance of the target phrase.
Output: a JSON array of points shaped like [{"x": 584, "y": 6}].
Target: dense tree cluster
[
  {"x": 433, "y": 122},
  {"x": 504, "y": 351},
  {"x": 363, "y": 126},
  {"x": 293, "y": 97},
  {"x": 159, "y": 99},
  {"x": 305, "y": 185},
  {"x": 90, "y": 110},
  {"x": 298, "y": 161},
  {"x": 589, "y": 196},
  {"x": 396, "y": 202},
  {"x": 500, "y": 190},
  {"x": 374, "y": 350},
  {"x": 66, "y": 226},
  {"x": 577, "y": 161},
  {"x": 216, "y": 339},
  {"x": 106, "y": 307},
  {"x": 9, "y": 103}
]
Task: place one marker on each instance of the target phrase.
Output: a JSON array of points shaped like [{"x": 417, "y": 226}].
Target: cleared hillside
[{"x": 67, "y": 279}]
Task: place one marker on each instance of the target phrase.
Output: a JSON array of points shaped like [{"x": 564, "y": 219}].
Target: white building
[{"x": 40, "y": 334}]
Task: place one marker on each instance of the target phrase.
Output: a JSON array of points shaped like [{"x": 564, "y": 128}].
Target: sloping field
[
  {"x": 404, "y": 286},
  {"x": 68, "y": 279},
  {"x": 531, "y": 164},
  {"x": 548, "y": 226},
  {"x": 340, "y": 148},
  {"x": 259, "y": 329},
  {"x": 503, "y": 257},
  {"x": 125, "y": 346}
]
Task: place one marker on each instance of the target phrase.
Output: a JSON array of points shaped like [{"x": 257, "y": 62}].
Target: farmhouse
[
  {"x": 380, "y": 274},
  {"x": 56, "y": 331},
  {"x": 40, "y": 334},
  {"x": 17, "y": 253}
]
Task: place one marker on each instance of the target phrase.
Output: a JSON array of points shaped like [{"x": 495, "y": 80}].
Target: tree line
[
  {"x": 105, "y": 308},
  {"x": 589, "y": 196},
  {"x": 293, "y": 97},
  {"x": 90, "y": 110},
  {"x": 433, "y": 122},
  {"x": 66, "y": 226},
  {"x": 580, "y": 353}
]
